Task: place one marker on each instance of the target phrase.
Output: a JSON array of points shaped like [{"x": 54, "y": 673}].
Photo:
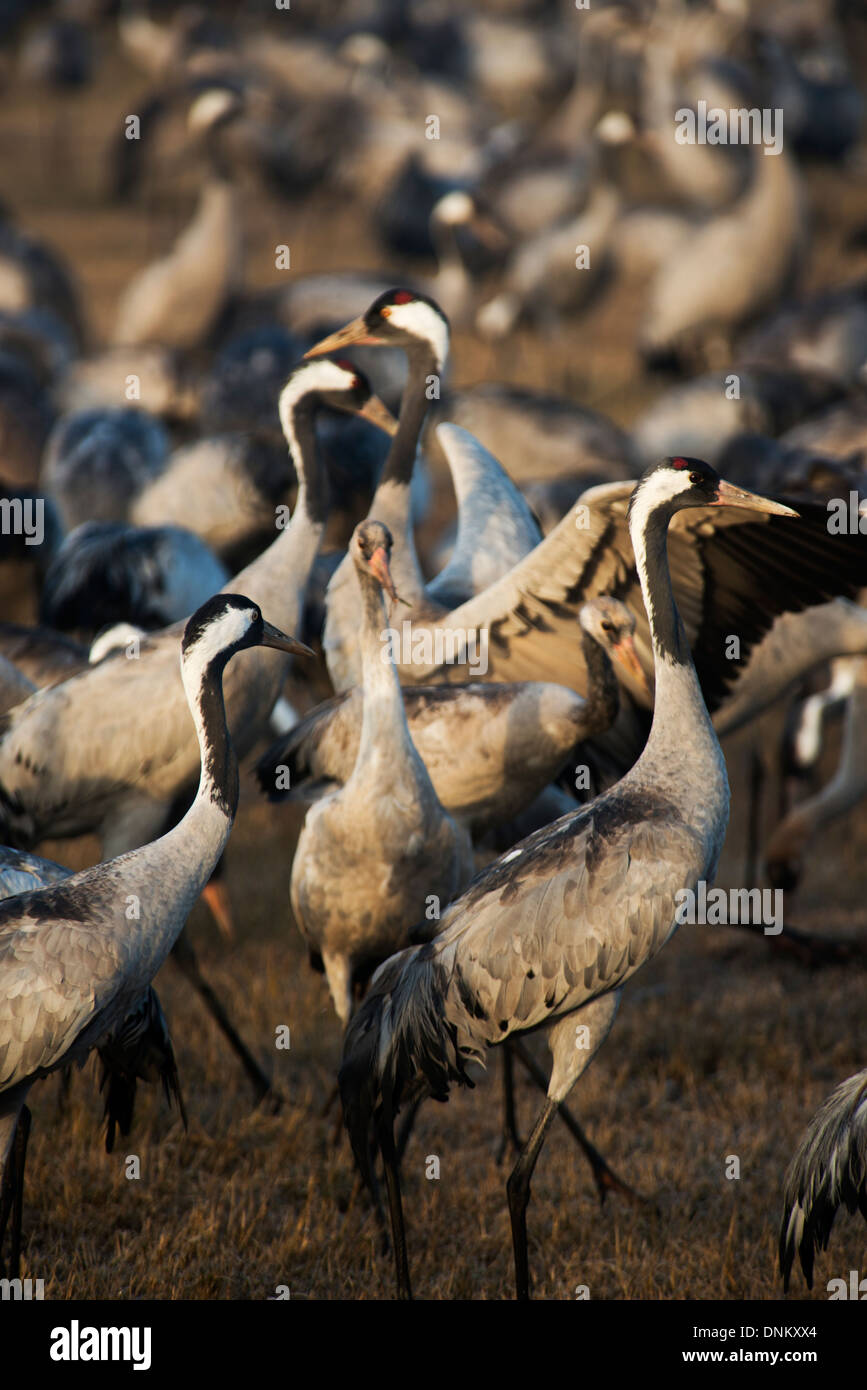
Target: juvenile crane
[
  {"x": 372, "y": 853},
  {"x": 547, "y": 936},
  {"x": 74, "y": 962}
]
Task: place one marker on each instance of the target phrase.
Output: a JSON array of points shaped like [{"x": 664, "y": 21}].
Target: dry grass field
[{"x": 722, "y": 1047}]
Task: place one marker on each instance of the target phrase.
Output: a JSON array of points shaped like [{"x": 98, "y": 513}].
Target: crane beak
[
  {"x": 273, "y": 637},
  {"x": 355, "y": 332},
  {"x": 215, "y": 894},
  {"x": 378, "y": 566},
  {"x": 624, "y": 652},
  {"x": 379, "y": 415},
  {"x": 729, "y": 496}
]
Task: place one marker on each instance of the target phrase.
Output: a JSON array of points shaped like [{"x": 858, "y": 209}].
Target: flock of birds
[{"x": 579, "y": 614}]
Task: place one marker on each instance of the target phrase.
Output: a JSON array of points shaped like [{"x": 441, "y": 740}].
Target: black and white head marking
[
  {"x": 666, "y": 488},
  {"x": 226, "y": 624},
  {"x": 223, "y": 625},
  {"x": 405, "y": 318}
]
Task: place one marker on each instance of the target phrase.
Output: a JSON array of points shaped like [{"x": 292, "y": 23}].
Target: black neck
[
  {"x": 413, "y": 408},
  {"x": 219, "y": 763},
  {"x": 308, "y": 466},
  {"x": 669, "y": 637},
  {"x": 603, "y": 690}
]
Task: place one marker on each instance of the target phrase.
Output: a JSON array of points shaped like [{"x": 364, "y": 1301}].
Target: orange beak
[
  {"x": 378, "y": 414},
  {"x": 378, "y": 566},
  {"x": 624, "y": 652}
]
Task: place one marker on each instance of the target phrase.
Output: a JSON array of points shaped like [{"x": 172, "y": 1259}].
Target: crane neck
[
  {"x": 681, "y": 734},
  {"x": 392, "y": 503},
  {"x": 170, "y": 873},
  {"x": 603, "y": 688},
  {"x": 218, "y": 780},
  {"x": 277, "y": 578},
  {"x": 423, "y": 363},
  {"x": 384, "y": 723}
]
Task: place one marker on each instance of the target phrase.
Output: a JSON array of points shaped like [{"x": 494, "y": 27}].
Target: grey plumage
[
  {"x": 108, "y": 572},
  {"x": 490, "y": 749},
  {"x": 176, "y": 300},
  {"x": 140, "y": 1048},
  {"x": 45, "y": 657},
  {"x": 372, "y": 853},
  {"x": 828, "y": 1170},
  {"x": 797, "y": 644},
  {"x": 97, "y": 461},
  {"x": 787, "y": 847},
  {"x": 77, "y": 957},
  {"x": 14, "y": 685},
  {"x": 495, "y": 525}
]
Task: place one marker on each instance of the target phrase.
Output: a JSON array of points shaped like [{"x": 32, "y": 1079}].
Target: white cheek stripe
[
  {"x": 422, "y": 321},
  {"x": 218, "y": 635}
]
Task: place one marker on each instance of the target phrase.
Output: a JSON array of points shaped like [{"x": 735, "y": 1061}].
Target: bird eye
[
  {"x": 385, "y": 312},
  {"x": 696, "y": 479},
  {"x": 607, "y": 626}
]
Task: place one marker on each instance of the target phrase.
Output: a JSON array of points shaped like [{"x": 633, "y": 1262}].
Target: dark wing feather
[{"x": 752, "y": 573}]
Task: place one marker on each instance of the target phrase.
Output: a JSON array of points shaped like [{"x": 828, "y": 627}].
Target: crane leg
[
  {"x": 407, "y": 1127},
  {"x": 509, "y": 1138},
  {"x": 385, "y": 1138},
  {"x": 7, "y": 1192},
  {"x": 64, "y": 1087},
  {"x": 22, "y": 1134},
  {"x": 12, "y": 1193},
  {"x": 605, "y": 1178},
  {"x": 185, "y": 958},
  {"x": 518, "y": 1191}
]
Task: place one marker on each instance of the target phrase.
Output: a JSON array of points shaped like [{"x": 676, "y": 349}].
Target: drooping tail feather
[
  {"x": 140, "y": 1050},
  {"x": 400, "y": 1039},
  {"x": 828, "y": 1170}
]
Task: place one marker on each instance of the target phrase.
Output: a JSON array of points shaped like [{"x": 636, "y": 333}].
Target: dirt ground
[{"x": 722, "y": 1048}]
